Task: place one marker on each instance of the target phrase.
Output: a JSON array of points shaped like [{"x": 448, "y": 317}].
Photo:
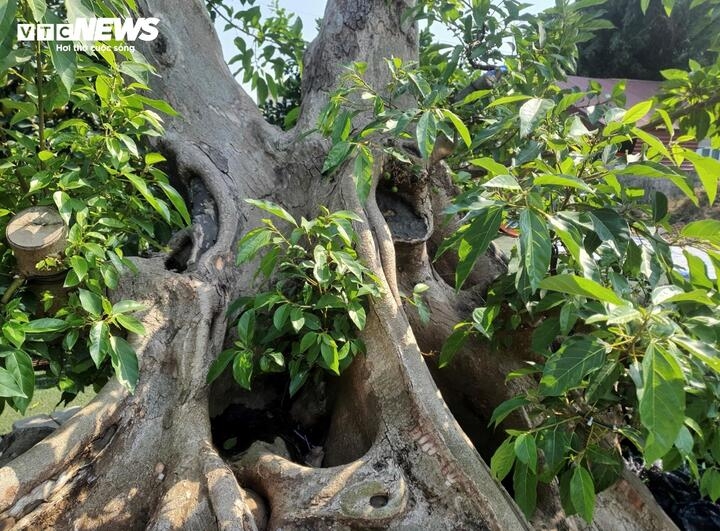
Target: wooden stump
[{"x": 35, "y": 234}]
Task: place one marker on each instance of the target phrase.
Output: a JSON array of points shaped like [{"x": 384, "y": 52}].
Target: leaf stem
[{"x": 40, "y": 100}]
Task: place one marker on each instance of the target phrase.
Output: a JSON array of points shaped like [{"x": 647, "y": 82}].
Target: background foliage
[
  {"x": 642, "y": 44},
  {"x": 73, "y": 126}
]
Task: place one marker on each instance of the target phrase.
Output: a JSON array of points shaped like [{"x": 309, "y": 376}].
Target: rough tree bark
[{"x": 395, "y": 457}]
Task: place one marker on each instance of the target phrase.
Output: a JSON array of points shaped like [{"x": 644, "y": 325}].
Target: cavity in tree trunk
[{"x": 395, "y": 457}]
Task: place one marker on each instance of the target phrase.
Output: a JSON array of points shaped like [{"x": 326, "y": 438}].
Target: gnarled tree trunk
[{"x": 395, "y": 456}]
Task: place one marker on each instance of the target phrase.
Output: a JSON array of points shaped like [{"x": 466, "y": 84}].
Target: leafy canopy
[{"x": 625, "y": 345}]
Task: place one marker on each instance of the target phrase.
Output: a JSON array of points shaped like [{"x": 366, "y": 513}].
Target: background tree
[
  {"x": 642, "y": 44},
  {"x": 426, "y": 161}
]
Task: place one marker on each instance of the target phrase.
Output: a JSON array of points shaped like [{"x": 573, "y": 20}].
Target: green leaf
[
  {"x": 544, "y": 335},
  {"x": 532, "y": 112},
  {"x": 243, "y": 368},
  {"x": 8, "y": 8},
  {"x": 251, "y": 244},
  {"x": 329, "y": 352},
  {"x": 706, "y": 229},
  {"x": 569, "y": 235},
  {"x": 603, "y": 381},
  {"x": 138, "y": 183},
  {"x": 154, "y": 158},
  {"x": 79, "y": 265},
  {"x": 659, "y": 206},
  {"x": 138, "y": 71},
  {"x": 14, "y": 332},
  {"x": 507, "y": 99},
  {"x": 704, "y": 352},
  {"x": 637, "y": 111},
  {"x": 125, "y": 362},
  {"x": 338, "y": 154},
  {"x": 329, "y": 300},
  {"x": 565, "y": 181},
  {"x": 652, "y": 141},
  {"x": 176, "y": 199},
  {"x": 574, "y": 285},
  {"x": 508, "y": 406},
  {"x": 99, "y": 342},
  {"x": 90, "y": 302},
  {"x": 503, "y": 459},
  {"x": 526, "y": 450},
  {"x": 272, "y": 362},
  {"x": 566, "y": 368},
  {"x": 297, "y": 380},
  {"x": 45, "y": 325},
  {"x": 483, "y": 319},
  {"x": 426, "y": 134},
  {"x": 246, "y": 326},
  {"x": 45, "y": 155},
  {"x": 321, "y": 271},
  {"x": 507, "y": 182},
  {"x": 489, "y": 164},
  {"x": 460, "y": 126},
  {"x": 357, "y": 314},
  {"x": 109, "y": 275},
  {"x": 605, "y": 465},
  {"x": 297, "y": 319},
  {"x": 131, "y": 324},
  {"x": 658, "y": 171},
  {"x": 451, "y": 346},
  {"x": 308, "y": 340},
  {"x": 363, "y": 173},
  {"x": 75, "y": 9},
  {"x": 37, "y": 9},
  {"x": 9, "y": 386},
  {"x": 710, "y": 484},
  {"x": 611, "y": 229},
  {"x": 525, "y": 487},
  {"x": 274, "y": 209},
  {"x": 535, "y": 246},
  {"x": 65, "y": 65},
  {"x": 708, "y": 170},
  {"x": 219, "y": 365},
  {"x": 623, "y": 315},
  {"x": 127, "y": 306},
  {"x": 19, "y": 364},
  {"x": 64, "y": 204},
  {"x": 554, "y": 444},
  {"x": 582, "y": 493},
  {"x": 281, "y": 315},
  {"x": 644, "y": 4},
  {"x": 662, "y": 401},
  {"x": 476, "y": 239},
  {"x": 697, "y": 295}
]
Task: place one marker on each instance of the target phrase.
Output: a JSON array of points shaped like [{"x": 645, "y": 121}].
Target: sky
[{"x": 309, "y": 11}]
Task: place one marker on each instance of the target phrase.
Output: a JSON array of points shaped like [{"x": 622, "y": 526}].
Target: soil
[{"x": 683, "y": 211}]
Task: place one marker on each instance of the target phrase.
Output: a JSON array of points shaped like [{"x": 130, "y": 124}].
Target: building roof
[{"x": 636, "y": 90}]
